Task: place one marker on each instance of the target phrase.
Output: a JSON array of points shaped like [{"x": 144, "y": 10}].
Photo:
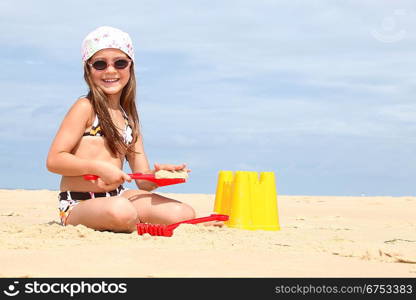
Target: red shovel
[
  {"x": 167, "y": 230},
  {"x": 149, "y": 177}
]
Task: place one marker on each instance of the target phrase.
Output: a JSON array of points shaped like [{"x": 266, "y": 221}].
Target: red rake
[
  {"x": 148, "y": 177},
  {"x": 167, "y": 230}
]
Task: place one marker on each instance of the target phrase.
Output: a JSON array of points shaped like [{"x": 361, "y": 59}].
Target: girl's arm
[
  {"x": 139, "y": 164},
  {"x": 60, "y": 158}
]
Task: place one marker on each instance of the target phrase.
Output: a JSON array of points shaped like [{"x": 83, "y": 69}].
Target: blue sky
[{"x": 319, "y": 92}]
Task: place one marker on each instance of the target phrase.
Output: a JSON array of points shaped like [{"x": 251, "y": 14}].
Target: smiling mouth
[{"x": 110, "y": 80}]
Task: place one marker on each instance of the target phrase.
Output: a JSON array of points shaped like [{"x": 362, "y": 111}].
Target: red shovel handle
[
  {"x": 212, "y": 217},
  {"x": 90, "y": 177},
  {"x": 148, "y": 177}
]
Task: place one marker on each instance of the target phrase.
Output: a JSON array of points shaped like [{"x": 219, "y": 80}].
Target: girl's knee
[
  {"x": 182, "y": 212},
  {"x": 122, "y": 215},
  {"x": 189, "y": 212}
]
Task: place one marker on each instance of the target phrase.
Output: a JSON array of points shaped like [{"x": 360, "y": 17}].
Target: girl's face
[{"x": 111, "y": 79}]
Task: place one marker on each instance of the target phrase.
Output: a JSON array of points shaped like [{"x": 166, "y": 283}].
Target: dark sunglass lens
[
  {"x": 99, "y": 65},
  {"x": 121, "y": 63}
]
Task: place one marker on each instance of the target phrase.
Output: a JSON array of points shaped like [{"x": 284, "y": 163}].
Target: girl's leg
[
  {"x": 157, "y": 209},
  {"x": 121, "y": 213},
  {"x": 105, "y": 213}
]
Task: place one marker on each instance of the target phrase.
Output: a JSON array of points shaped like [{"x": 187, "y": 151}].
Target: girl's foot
[{"x": 214, "y": 223}]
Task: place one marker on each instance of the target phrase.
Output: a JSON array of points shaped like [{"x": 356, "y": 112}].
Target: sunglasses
[{"x": 119, "y": 64}]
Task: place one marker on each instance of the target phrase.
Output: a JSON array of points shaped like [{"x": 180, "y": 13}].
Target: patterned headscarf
[{"x": 106, "y": 37}]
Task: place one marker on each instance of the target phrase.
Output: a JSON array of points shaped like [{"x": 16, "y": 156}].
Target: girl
[{"x": 95, "y": 136}]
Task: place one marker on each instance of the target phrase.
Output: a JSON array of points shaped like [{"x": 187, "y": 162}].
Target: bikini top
[{"x": 96, "y": 129}]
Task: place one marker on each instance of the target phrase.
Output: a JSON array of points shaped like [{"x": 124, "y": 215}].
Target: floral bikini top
[{"x": 96, "y": 129}]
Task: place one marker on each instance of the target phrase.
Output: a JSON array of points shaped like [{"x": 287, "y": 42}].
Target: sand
[
  {"x": 171, "y": 174},
  {"x": 319, "y": 237}
]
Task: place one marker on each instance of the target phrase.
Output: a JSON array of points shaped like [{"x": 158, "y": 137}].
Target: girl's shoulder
[
  {"x": 83, "y": 103},
  {"x": 82, "y": 108}
]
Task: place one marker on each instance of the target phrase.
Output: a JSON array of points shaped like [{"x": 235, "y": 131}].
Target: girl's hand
[
  {"x": 106, "y": 187},
  {"x": 169, "y": 167},
  {"x": 110, "y": 176}
]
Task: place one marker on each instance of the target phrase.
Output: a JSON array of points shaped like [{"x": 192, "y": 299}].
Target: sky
[{"x": 319, "y": 92}]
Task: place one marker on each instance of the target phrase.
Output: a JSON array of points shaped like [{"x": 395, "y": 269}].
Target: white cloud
[
  {"x": 399, "y": 113},
  {"x": 34, "y": 62}
]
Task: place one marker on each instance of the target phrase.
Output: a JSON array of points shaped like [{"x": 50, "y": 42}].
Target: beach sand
[{"x": 319, "y": 237}]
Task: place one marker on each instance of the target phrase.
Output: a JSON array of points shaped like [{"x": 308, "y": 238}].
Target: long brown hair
[{"x": 99, "y": 101}]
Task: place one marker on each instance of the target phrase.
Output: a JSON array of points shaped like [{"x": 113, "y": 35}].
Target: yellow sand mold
[{"x": 249, "y": 200}]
